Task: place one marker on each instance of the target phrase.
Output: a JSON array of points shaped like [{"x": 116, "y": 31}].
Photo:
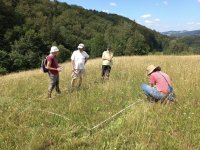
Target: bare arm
[
  {"x": 86, "y": 59},
  {"x": 73, "y": 65}
]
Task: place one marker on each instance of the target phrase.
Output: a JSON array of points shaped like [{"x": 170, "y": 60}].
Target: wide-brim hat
[
  {"x": 54, "y": 49},
  {"x": 151, "y": 68},
  {"x": 81, "y": 45}
]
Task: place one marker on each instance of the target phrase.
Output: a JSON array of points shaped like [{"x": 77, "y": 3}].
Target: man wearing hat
[
  {"x": 107, "y": 63},
  {"x": 78, "y": 60},
  {"x": 54, "y": 69},
  {"x": 160, "y": 85}
]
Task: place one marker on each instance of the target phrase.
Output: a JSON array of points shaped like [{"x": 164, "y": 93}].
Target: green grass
[{"x": 27, "y": 121}]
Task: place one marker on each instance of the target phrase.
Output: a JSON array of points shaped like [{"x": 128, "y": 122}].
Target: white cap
[
  {"x": 54, "y": 49},
  {"x": 81, "y": 45}
]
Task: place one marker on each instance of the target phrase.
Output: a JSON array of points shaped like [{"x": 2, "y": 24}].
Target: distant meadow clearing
[{"x": 28, "y": 120}]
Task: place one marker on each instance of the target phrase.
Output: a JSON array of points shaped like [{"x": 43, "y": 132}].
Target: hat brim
[
  {"x": 150, "y": 71},
  {"x": 80, "y": 47},
  {"x": 54, "y": 51}
]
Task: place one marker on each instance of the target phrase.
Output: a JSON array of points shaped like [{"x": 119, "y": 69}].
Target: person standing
[
  {"x": 53, "y": 70},
  {"x": 107, "y": 57},
  {"x": 78, "y": 60},
  {"x": 160, "y": 87}
]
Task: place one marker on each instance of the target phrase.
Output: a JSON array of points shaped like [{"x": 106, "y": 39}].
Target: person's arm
[
  {"x": 73, "y": 61},
  {"x": 152, "y": 81},
  {"x": 73, "y": 65},
  {"x": 111, "y": 56},
  {"x": 103, "y": 56},
  {"x": 86, "y": 58}
]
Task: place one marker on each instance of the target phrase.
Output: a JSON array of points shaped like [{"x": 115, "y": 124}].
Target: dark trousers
[{"x": 105, "y": 70}]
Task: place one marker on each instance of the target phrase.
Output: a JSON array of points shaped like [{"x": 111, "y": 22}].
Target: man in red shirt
[{"x": 54, "y": 69}]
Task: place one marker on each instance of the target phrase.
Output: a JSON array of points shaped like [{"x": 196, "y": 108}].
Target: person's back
[
  {"x": 107, "y": 58},
  {"x": 161, "y": 80}
]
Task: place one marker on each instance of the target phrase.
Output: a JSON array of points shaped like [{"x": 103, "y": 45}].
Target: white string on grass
[{"x": 96, "y": 126}]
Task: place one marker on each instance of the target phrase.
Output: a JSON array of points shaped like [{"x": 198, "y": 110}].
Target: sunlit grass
[{"x": 27, "y": 121}]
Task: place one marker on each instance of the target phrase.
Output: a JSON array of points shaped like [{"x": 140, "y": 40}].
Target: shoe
[
  {"x": 59, "y": 92},
  {"x": 49, "y": 95}
]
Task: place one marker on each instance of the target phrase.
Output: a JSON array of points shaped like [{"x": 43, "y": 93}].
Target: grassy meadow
[{"x": 30, "y": 121}]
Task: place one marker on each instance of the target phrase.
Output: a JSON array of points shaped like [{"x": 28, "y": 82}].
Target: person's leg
[
  {"x": 108, "y": 68},
  {"x": 81, "y": 74},
  {"x": 151, "y": 91},
  {"x": 74, "y": 77},
  {"x": 103, "y": 72},
  {"x": 80, "y": 81},
  {"x": 73, "y": 83},
  {"x": 52, "y": 84},
  {"x": 57, "y": 85}
]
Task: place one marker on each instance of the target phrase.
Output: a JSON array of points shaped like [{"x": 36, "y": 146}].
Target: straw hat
[{"x": 151, "y": 68}]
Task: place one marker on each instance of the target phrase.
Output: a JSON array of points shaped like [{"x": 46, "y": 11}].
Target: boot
[
  {"x": 58, "y": 91},
  {"x": 49, "y": 94}
]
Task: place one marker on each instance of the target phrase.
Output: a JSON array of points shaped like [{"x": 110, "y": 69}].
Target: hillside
[
  {"x": 184, "y": 33},
  {"x": 31, "y": 121},
  {"x": 29, "y": 28}
]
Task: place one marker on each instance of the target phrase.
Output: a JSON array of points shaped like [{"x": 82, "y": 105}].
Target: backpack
[{"x": 43, "y": 65}]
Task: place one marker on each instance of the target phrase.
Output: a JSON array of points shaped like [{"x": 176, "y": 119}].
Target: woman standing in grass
[
  {"x": 107, "y": 63},
  {"x": 160, "y": 88}
]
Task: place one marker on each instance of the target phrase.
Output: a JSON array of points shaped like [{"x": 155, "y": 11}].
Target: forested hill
[{"x": 28, "y": 28}]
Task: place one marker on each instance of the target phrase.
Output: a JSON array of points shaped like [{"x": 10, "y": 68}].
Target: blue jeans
[{"x": 152, "y": 92}]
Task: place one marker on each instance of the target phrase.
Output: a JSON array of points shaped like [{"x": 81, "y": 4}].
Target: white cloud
[
  {"x": 198, "y": 1},
  {"x": 165, "y": 2},
  {"x": 146, "y": 16},
  {"x": 113, "y": 4},
  {"x": 190, "y": 23},
  {"x": 148, "y": 22},
  {"x": 157, "y": 19},
  {"x": 198, "y": 23}
]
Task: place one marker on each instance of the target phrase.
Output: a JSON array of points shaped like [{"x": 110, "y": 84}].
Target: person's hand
[
  {"x": 73, "y": 69},
  {"x": 59, "y": 69}
]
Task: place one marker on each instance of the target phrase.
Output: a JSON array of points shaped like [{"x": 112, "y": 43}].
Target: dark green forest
[{"x": 28, "y": 28}]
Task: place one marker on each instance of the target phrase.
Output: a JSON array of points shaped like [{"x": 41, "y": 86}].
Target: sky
[{"x": 159, "y": 15}]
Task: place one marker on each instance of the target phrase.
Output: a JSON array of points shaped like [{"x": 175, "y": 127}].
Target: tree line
[{"x": 29, "y": 28}]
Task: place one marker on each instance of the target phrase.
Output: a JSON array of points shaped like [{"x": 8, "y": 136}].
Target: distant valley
[{"x": 183, "y": 33}]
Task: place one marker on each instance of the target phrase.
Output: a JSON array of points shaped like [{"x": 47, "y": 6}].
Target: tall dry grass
[{"x": 28, "y": 122}]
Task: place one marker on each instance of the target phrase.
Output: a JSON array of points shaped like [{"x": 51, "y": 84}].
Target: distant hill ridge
[{"x": 183, "y": 33}]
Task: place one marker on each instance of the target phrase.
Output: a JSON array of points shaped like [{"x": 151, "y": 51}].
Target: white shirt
[
  {"x": 107, "y": 58},
  {"x": 79, "y": 59}
]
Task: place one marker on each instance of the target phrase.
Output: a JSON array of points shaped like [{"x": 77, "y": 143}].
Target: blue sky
[{"x": 160, "y": 15}]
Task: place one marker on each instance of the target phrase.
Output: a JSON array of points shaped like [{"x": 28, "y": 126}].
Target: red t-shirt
[
  {"x": 161, "y": 84},
  {"x": 54, "y": 63}
]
